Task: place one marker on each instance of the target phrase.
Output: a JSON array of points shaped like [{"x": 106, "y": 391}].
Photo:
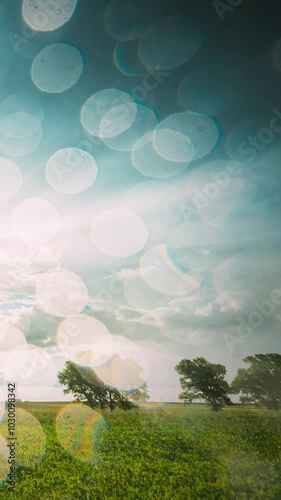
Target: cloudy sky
[{"x": 140, "y": 150}]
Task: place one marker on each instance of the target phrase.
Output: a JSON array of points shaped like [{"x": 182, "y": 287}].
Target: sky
[{"x": 140, "y": 149}]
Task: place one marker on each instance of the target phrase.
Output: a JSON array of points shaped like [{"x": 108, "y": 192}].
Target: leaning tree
[
  {"x": 87, "y": 387},
  {"x": 201, "y": 379},
  {"x": 260, "y": 383}
]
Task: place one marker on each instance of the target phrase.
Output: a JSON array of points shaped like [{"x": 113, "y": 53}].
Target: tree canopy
[
  {"x": 201, "y": 379},
  {"x": 260, "y": 383},
  {"x": 87, "y": 387}
]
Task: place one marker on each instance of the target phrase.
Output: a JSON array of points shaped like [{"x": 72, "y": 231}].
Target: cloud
[{"x": 20, "y": 266}]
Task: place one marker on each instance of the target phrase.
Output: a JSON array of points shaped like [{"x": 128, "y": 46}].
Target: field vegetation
[{"x": 177, "y": 452}]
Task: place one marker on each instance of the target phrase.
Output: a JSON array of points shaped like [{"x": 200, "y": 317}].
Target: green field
[{"x": 174, "y": 452}]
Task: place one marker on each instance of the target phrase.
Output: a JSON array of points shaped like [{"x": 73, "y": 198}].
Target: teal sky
[{"x": 140, "y": 149}]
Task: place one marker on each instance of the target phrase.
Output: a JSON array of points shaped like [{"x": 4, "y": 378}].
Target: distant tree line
[{"x": 260, "y": 383}]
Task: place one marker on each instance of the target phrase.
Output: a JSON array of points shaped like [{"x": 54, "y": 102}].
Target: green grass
[{"x": 174, "y": 453}]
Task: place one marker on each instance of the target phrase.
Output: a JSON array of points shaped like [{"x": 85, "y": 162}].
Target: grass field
[{"x": 69, "y": 452}]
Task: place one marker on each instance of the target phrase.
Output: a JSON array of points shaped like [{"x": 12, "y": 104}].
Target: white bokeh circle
[
  {"x": 71, "y": 170},
  {"x": 84, "y": 340},
  {"x": 47, "y": 16},
  {"x": 10, "y": 179},
  {"x": 61, "y": 292},
  {"x": 119, "y": 233},
  {"x": 35, "y": 221},
  {"x": 57, "y": 68}
]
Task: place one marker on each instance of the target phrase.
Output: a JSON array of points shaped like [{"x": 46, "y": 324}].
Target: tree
[
  {"x": 261, "y": 382},
  {"x": 203, "y": 380},
  {"x": 88, "y": 388}
]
